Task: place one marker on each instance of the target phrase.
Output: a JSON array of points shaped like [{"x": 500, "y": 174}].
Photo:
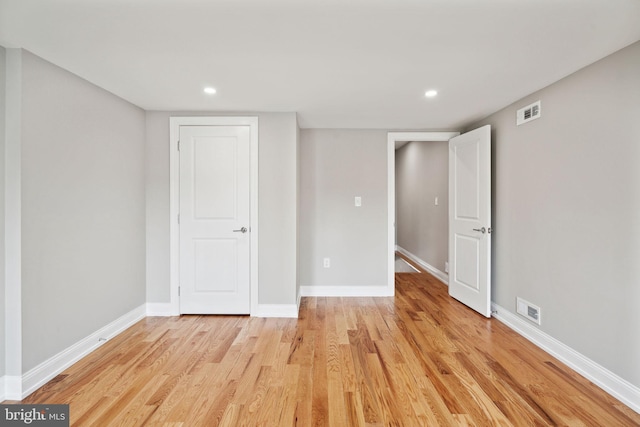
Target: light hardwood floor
[{"x": 419, "y": 359}]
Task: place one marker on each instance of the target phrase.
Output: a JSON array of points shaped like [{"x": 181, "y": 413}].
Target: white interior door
[
  {"x": 214, "y": 219},
  {"x": 470, "y": 219}
]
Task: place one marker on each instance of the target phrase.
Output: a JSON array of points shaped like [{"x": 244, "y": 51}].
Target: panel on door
[
  {"x": 214, "y": 219},
  {"x": 470, "y": 219}
]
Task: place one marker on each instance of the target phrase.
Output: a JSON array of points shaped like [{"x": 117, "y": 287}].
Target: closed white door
[
  {"x": 214, "y": 219},
  {"x": 470, "y": 219}
]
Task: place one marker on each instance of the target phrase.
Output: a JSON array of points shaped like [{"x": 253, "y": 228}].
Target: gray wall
[
  {"x": 422, "y": 174},
  {"x": 566, "y": 214},
  {"x": 277, "y": 209},
  {"x": 277, "y": 206},
  {"x": 82, "y": 209},
  {"x": 157, "y": 206},
  {"x": 3, "y": 78},
  {"x": 336, "y": 166}
]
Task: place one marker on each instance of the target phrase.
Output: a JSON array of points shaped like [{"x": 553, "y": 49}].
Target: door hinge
[
  {"x": 178, "y": 290},
  {"x": 178, "y": 145},
  {"x": 178, "y": 218}
]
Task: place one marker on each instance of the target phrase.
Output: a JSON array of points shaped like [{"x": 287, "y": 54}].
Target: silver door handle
[
  {"x": 242, "y": 230},
  {"x": 482, "y": 230}
]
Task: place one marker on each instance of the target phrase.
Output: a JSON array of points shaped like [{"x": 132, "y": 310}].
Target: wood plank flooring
[{"x": 419, "y": 359}]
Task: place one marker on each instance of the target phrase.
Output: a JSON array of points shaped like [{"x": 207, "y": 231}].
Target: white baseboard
[
  {"x": 276, "y": 310},
  {"x": 443, "y": 277},
  {"x": 618, "y": 387},
  {"x": 346, "y": 291},
  {"x": 38, "y": 376},
  {"x": 160, "y": 309},
  {"x": 12, "y": 387}
]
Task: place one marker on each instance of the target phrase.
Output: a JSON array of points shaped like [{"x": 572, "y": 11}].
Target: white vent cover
[
  {"x": 528, "y": 310},
  {"x": 528, "y": 113}
]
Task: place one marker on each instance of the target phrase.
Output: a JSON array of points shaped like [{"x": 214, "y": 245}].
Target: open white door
[{"x": 470, "y": 219}]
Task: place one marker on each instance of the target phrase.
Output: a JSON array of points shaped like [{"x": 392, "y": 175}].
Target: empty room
[{"x": 340, "y": 213}]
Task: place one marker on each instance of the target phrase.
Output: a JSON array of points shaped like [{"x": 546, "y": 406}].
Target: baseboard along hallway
[{"x": 403, "y": 266}]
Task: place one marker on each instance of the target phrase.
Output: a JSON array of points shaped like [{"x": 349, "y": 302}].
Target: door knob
[
  {"x": 482, "y": 230},
  {"x": 242, "y": 230}
]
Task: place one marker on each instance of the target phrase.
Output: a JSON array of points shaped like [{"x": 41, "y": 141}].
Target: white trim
[
  {"x": 346, "y": 291},
  {"x": 443, "y": 277},
  {"x": 422, "y": 136},
  {"x": 391, "y": 211},
  {"x": 174, "y": 208},
  {"x": 48, "y": 369},
  {"x": 2, "y": 389},
  {"x": 255, "y": 128},
  {"x": 276, "y": 310},
  {"x": 12, "y": 309},
  {"x": 159, "y": 309},
  {"x": 174, "y": 199},
  {"x": 616, "y": 386},
  {"x": 392, "y": 139},
  {"x": 12, "y": 387}
]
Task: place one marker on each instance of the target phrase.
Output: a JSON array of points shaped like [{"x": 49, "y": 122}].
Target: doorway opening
[
  {"x": 422, "y": 205},
  {"x": 394, "y": 141}
]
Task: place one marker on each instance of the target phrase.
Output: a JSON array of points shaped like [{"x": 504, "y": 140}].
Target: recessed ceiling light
[
  {"x": 210, "y": 90},
  {"x": 431, "y": 93}
]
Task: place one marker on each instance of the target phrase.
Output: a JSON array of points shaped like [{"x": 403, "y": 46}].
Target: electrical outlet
[
  {"x": 436, "y": 201},
  {"x": 446, "y": 266},
  {"x": 326, "y": 263},
  {"x": 357, "y": 201}
]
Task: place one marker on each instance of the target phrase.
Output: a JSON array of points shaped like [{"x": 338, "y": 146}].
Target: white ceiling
[{"x": 337, "y": 63}]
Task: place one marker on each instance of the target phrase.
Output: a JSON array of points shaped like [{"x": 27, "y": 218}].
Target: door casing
[
  {"x": 174, "y": 199},
  {"x": 392, "y": 139}
]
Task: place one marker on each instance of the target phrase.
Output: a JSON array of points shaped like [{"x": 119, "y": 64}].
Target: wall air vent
[
  {"x": 528, "y": 113},
  {"x": 528, "y": 310}
]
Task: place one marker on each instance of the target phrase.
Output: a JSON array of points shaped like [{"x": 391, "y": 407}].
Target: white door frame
[
  {"x": 392, "y": 139},
  {"x": 174, "y": 199}
]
